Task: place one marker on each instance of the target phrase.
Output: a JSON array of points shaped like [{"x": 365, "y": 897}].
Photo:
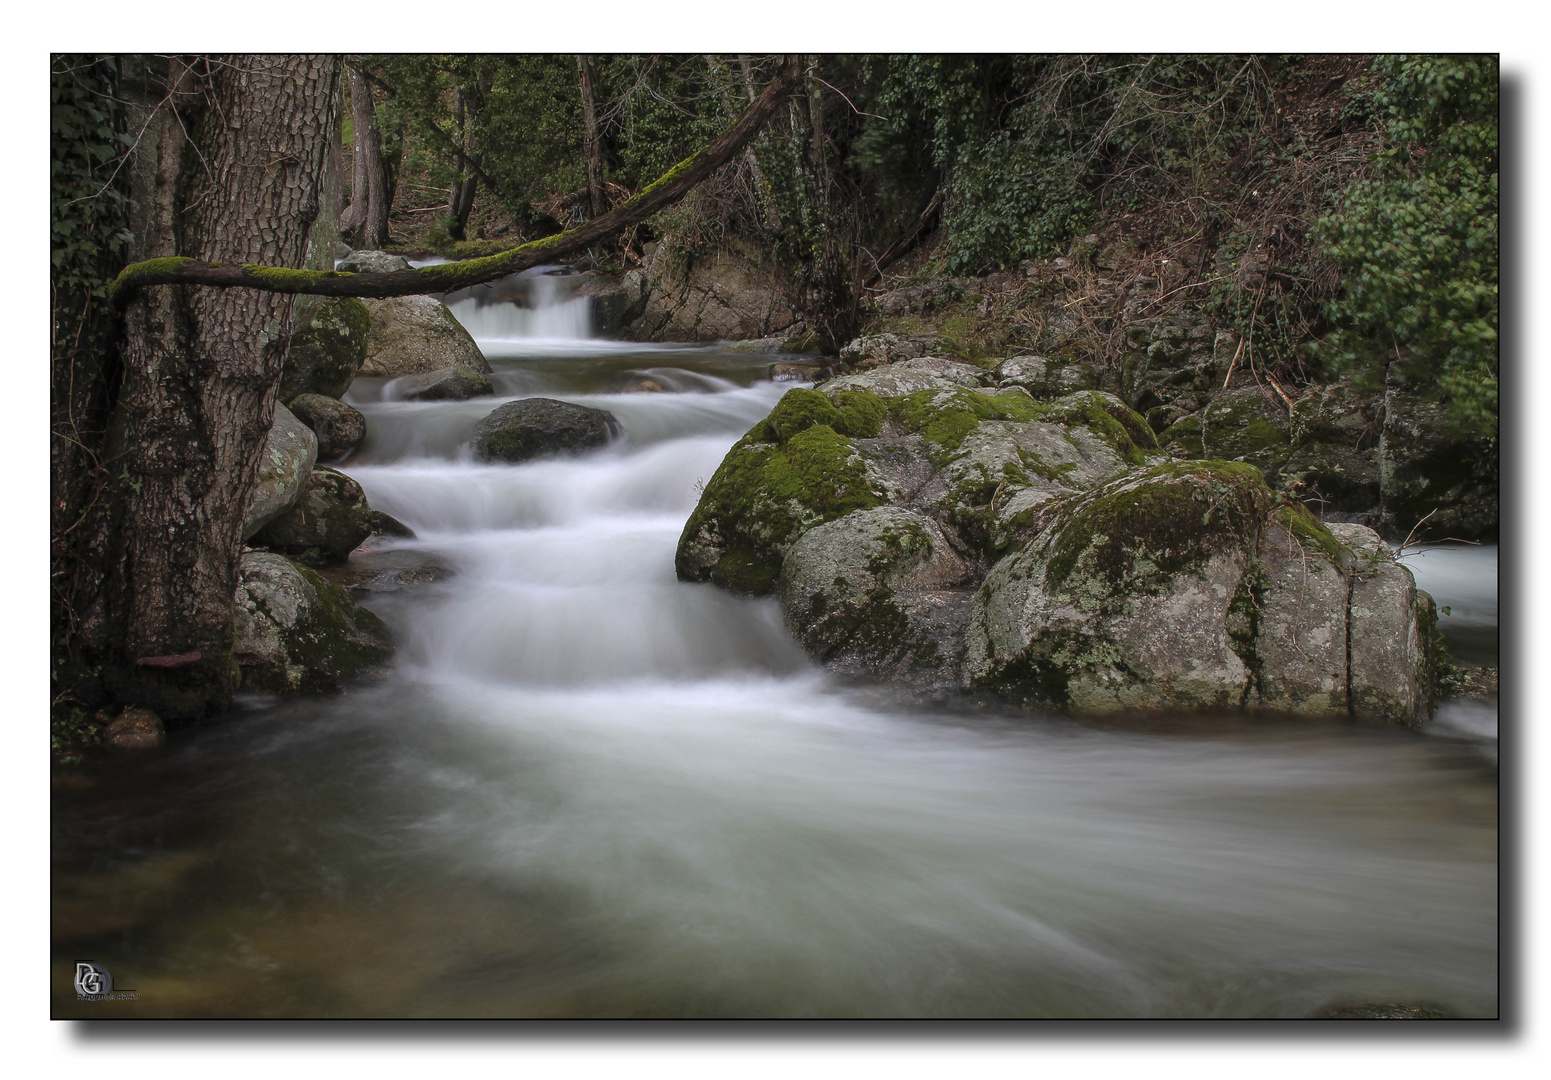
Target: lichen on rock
[
  {"x": 297, "y": 632},
  {"x": 290, "y": 451}
]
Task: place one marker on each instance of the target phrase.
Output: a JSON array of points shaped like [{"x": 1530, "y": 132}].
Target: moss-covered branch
[{"x": 446, "y": 277}]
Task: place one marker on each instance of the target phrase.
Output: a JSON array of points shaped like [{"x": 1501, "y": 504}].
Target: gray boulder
[
  {"x": 728, "y": 291},
  {"x": 541, "y": 427},
  {"x": 339, "y": 427},
  {"x": 290, "y": 451},
  {"x": 372, "y": 262},
  {"x": 295, "y": 631},
  {"x": 879, "y": 593},
  {"x": 456, "y": 383},
  {"x": 327, "y": 523},
  {"x": 414, "y": 335},
  {"x": 874, "y": 350},
  {"x": 1393, "y": 635}
]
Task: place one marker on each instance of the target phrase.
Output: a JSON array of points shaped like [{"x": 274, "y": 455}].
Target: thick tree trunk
[
  {"x": 593, "y": 153},
  {"x": 201, "y": 371},
  {"x": 460, "y": 199}
]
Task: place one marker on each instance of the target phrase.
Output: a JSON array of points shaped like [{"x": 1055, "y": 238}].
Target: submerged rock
[
  {"x": 456, "y": 383},
  {"x": 413, "y": 335},
  {"x": 326, "y": 353},
  {"x": 328, "y": 522},
  {"x": 541, "y": 427},
  {"x": 290, "y": 451},
  {"x": 295, "y": 631},
  {"x": 135, "y": 729},
  {"x": 339, "y": 427}
]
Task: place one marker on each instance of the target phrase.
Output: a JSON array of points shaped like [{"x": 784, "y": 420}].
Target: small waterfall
[{"x": 537, "y": 305}]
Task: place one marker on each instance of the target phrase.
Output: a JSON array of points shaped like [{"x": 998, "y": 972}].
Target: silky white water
[{"x": 590, "y": 789}]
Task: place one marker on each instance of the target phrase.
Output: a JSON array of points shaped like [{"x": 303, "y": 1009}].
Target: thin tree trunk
[
  {"x": 201, "y": 371},
  {"x": 363, "y": 117},
  {"x": 460, "y": 199},
  {"x": 762, "y": 204},
  {"x": 593, "y": 153}
]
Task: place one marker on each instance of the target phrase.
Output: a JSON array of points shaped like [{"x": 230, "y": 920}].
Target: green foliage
[
  {"x": 87, "y": 142},
  {"x": 1417, "y": 238},
  {"x": 1032, "y": 147}
]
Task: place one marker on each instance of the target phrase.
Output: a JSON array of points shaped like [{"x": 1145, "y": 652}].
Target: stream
[{"x": 589, "y": 790}]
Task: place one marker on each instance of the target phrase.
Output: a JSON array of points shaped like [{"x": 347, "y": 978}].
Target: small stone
[
  {"x": 135, "y": 729},
  {"x": 388, "y": 525},
  {"x": 372, "y": 262}
]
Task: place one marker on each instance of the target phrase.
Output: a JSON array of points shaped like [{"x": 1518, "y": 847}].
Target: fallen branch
[{"x": 446, "y": 277}]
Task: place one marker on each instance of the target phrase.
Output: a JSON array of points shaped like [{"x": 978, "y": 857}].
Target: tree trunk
[
  {"x": 367, "y": 213},
  {"x": 460, "y": 199},
  {"x": 201, "y": 372},
  {"x": 593, "y": 153}
]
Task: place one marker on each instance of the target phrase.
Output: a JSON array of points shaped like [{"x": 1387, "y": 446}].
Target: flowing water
[{"x": 587, "y": 789}]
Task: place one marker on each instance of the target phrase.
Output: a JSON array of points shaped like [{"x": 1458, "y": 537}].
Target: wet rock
[
  {"x": 372, "y": 262},
  {"x": 878, "y": 593},
  {"x": 388, "y": 525},
  {"x": 455, "y": 383},
  {"x": 339, "y": 427},
  {"x": 797, "y": 372},
  {"x": 414, "y": 335},
  {"x": 541, "y": 427},
  {"x": 295, "y": 631},
  {"x": 326, "y": 353},
  {"x": 90, "y": 905},
  {"x": 642, "y": 386},
  {"x": 329, "y": 520},
  {"x": 758, "y": 345},
  {"x": 135, "y": 729},
  {"x": 290, "y": 451},
  {"x": 386, "y": 571}
]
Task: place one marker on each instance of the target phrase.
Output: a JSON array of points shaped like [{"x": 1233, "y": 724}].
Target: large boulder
[
  {"x": 328, "y": 522},
  {"x": 290, "y": 451},
  {"x": 327, "y": 352},
  {"x": 975, "y": 461},
  {"x": 729, "y": 291},
  {"x": 339, "y": 427},
  {"x": 1247, "y": 424},
  {"x": 414, "y": 335},
  {"x": 295, "y": 631},
  {"x": 456, "y": 383},
  {"x": 879, "y": 593},
  {"x": 541, "y": 427},
  {"x": 935, "y": 534}
]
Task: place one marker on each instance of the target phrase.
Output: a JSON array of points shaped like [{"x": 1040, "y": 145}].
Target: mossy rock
[
  {"x": 1123, "y": 600},
  {"x": 326, "y": 354},
  {"x": 298, "y": 632},
  {"x": 541, "y": 427},
  {"x": 454, "y": 383},
  {"x": 339, "y": 427},
  {"x": 876, "y": 593},
  {"x": 1425, "y": 467},
  {"x": 766, "y": 493},
  {"x": 329, "y": 520},
  {"x": 1243, "y": 424}
]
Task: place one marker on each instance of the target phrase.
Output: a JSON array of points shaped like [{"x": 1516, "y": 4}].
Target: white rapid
[{"x": 589, "y": 789}]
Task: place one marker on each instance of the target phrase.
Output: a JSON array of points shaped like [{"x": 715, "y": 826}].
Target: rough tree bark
[
  {"x": 201, "y": 369},
  {"x": 460, "y": 199},
  {"x": 593, "y": 153}
]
